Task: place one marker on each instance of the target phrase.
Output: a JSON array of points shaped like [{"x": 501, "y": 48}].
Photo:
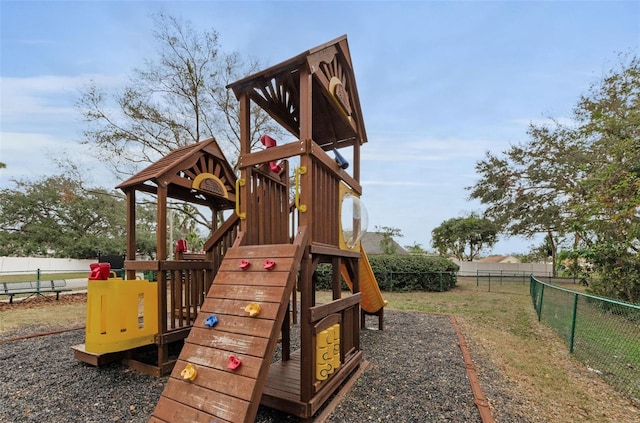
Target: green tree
[
  {"x": 464, "y": 237},
  {"x": 387, "y": 243},
  {"x": 578, "y": 183},
  {"x": 57, "y": 217},
  {"x": 527, "y": 189},
  {"x": 609, "y": 119},
  {"x": 416, "y": 249}
]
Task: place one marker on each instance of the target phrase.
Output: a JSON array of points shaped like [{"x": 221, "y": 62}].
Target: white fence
[
  {"x": 471, "y": 268},
  {"x": 467, "y": 268},
  {"x": 27, "y": 264}
]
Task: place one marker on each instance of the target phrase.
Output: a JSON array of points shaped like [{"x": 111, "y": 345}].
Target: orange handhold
[
  {"x": 269, "y": 264},
  {"x": 189, "y": 372},
  {"x": 253, "y": 309}
]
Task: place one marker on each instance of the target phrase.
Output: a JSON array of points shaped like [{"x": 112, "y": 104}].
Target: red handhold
[
  {"x": 234, "y": 362},
  {"x": 99, "y": 271},
  {"x": 267, "y": 141},
  {"x": 244, "y": 264},
  {"x": 181, "y": 246},
  {"x": 275, "y": 167},
  {"x": 269, "y": 264}
]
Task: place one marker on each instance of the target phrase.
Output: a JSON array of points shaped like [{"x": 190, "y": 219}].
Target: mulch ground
[{"x": 416, "y": 374}]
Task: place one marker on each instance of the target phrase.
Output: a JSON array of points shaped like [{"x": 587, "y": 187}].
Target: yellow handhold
[
  {"x": 189, "y": 372},
  {"x": 253, "y": 309}
]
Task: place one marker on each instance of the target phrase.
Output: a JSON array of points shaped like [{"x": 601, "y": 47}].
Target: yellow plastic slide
[{"x": 372, "y": 301}]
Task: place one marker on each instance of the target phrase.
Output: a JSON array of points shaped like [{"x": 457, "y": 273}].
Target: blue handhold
[{"x": 211, "y": 321}]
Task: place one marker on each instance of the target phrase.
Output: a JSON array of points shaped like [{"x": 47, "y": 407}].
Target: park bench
[{"x": 33, "y": 288}]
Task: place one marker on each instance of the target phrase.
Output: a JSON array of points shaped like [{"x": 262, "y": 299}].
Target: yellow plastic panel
[{"x": 121, "y": 314}]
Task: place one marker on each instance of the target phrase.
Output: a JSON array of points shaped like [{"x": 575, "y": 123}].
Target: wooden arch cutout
[{"x": 211, "y": 184}]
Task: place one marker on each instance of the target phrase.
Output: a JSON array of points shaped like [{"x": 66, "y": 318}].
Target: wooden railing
[
  {"x": 183, "y": 283},
  {"x": 267, "y": 212}
]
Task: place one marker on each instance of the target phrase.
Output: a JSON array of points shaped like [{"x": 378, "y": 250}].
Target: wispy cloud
[
  {"x": 400, "y": 183},
  {"x": 46, "y": 95},
  {"x": 427, "y": 149},
  {"x": 56, "y": 83},
  {"x": 564, "y": 121}
]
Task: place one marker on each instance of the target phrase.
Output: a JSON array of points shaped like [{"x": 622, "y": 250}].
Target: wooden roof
[
  {"x": 197, "y": 173},
  {"x": 337, "y": 117}
]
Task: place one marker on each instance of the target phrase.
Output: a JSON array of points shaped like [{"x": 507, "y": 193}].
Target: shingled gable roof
[
  {"x": 337, "y": 117},
  {"x": 178, "y": 170}
]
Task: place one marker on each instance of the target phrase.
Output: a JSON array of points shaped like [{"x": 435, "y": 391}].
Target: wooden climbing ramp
[{"x": 202, "y": 386}]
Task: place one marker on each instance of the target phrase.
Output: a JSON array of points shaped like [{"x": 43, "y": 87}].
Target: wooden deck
[{"x": 282, "y": 390}]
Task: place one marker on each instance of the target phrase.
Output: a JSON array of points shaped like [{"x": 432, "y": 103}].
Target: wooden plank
[
  {"x": 257, "y": 264},
  {"x": 244, "y": 325},
  {"x": 235, "y": 307},
  {"x": 320, "y": 311},
  {"x": 249, "y": 277},
  {"x": 262, "y": 251},
  {"x": 254, "y": 294},
  {"x": 218, "y": 359},
  {"x": 173, "y": 411},
  {"x": 95, "y": 359},
  {"x": 284, "y": 377},
  {"x": 272, "y": 154},
  {"x": 331, "y": 251},
  {"x": 234, "y": 343},
  {"x": 222, "y": 381}
]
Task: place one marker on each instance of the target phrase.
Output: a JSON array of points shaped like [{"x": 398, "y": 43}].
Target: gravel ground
[{"x": 416, "y": 374}]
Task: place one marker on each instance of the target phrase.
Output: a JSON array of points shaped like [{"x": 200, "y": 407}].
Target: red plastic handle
[{"x": 244, "y": 264}]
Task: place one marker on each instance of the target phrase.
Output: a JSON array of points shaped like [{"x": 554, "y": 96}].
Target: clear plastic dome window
[{"x": 353, "y": 220}]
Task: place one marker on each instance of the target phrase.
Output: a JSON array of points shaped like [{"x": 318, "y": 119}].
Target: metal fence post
[
  {"x": 38, "y": 280},
  {"x": 540, "y": 303},
  {"x": 573, "y": 322}
]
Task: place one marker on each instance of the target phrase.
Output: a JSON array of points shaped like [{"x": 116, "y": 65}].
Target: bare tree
[{"x": 177, "y": 98}]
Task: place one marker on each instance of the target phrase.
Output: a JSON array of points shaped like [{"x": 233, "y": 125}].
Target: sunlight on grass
[{"x": 61, "y": 316}]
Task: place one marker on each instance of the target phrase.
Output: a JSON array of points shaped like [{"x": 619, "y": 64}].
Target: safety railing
[{"x": 604, "y": 334}]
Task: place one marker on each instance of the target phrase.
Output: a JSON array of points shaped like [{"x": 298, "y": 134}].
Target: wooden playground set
[{"x": 229, "y": 307}]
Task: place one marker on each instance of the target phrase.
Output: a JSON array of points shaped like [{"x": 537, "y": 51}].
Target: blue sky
[{"x": 440, "y": 83}]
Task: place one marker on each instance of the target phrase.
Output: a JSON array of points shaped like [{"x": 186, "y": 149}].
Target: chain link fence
[
  {"x": 513, "y": 282},
  {"x": 603, "y": 334}
]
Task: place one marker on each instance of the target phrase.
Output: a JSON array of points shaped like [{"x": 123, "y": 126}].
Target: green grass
[{"x": 502, "y": 328}]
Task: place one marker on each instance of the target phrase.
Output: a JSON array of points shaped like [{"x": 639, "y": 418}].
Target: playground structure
[{"x": 234, "y": 303}]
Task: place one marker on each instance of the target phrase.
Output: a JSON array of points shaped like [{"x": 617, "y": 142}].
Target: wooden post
[
  {"x": 306, "y": 133},
  {"x": 306, "y": 355},
  {"x": 245, "y": 148},
  {"x": 131, "y": 231},
  {"x": 336, "y": 279},
  {"x": 161, "y": 256}
]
